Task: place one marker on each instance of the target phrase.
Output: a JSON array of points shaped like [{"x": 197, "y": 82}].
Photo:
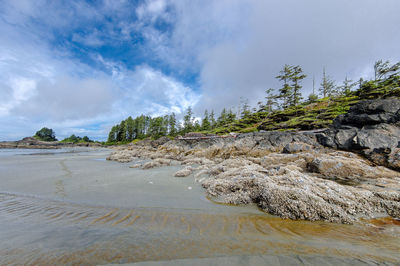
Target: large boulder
[{"x": 372, "y": 128}]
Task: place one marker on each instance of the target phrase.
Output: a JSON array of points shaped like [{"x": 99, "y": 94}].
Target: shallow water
[{"x": 73, "y": 207}]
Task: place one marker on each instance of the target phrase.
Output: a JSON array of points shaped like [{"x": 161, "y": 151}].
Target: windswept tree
[
  {"x": 296, "y": 78},
  {"x": 286, "y": 91},
  {"x": 347, "y": 86},
  {"x": 245, "y": 108},
  {"x": 270, "y": 101},
  {"x": 327, "y": 86},
  {"x": 384, "y": 70},
  {"x": 46, "y": 134}
]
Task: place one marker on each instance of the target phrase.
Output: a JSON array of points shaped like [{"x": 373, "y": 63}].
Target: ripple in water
[{"x": 42, "y": 231}]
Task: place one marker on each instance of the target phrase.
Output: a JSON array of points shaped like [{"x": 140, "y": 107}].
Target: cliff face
[
  {"x": 296, "y": 175},
  {"x": 371, "y": 128}
]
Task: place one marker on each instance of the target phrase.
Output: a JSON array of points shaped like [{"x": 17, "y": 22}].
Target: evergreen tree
[
  {"x": 172, "y": 125},
  {"x": 312, "y": 98},
  {"x": 122, "y": 131},
  {"x": 383, "y": 69},
  {"x": 213, "y": 123},
  {"x": 327, "y": 86},
  {"x": 296, "y": 77},
  {"x": 222, "y": 118},
  {"x": 196, "y": 126},
  {"x": 130, "y": 127},
  {"x": 271, "y": 101},
  {"x": 245, "y": 109},
  {"x": 188, "y": 121},
  {"x": 205, "y": 123},
  {"x": 286, "y": 91},
  {"x": 46, "y": 134},
  {"x": 231, "y": 117},
  {"x": 111, "y": 135},
  {"x": 347, "y": 86}
]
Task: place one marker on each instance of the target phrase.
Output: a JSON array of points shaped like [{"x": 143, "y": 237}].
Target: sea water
[{"x": 70, "y": 206}]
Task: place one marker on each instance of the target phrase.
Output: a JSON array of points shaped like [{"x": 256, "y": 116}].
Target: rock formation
[
  {"x": 297, "y": 175},
  {"x": 371, "y": 128}
]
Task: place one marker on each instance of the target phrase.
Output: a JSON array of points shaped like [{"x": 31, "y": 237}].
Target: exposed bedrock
[{"x": 371, "y": 128}]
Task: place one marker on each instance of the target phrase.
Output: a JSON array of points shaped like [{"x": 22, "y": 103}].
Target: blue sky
[{"x": 81, "y": 66}]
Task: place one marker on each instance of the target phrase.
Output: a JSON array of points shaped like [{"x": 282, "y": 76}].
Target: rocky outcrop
[
  {"x": 371, "y": 128},
  {"x": 289, "y": 190},
  {"x": 296, "y": 175},
  {"x": 32, "y": 143}
]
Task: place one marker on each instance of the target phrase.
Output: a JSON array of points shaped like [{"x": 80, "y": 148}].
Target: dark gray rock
[
  {"x": 370, "y": 127},
  {"x": 371, "y": 112},
  {"x": 297, "y": 147}
]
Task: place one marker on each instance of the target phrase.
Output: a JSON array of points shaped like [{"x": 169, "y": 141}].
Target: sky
[{"x": 79, "y": 67}]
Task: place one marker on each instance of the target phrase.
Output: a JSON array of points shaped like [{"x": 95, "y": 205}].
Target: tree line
[
  {"x": 287, "y": 96},
  {"x": 145, "y": 126}
]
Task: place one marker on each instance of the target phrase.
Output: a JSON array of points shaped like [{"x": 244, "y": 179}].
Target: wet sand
[{"x": 75, "y": 207}]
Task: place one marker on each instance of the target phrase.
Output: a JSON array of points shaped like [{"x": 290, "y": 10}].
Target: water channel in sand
[{"x": 71, "y": 206}]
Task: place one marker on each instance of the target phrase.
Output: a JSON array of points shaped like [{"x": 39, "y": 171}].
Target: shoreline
[
  {"x": 348, "y": 172},
  {"x": 32, "y": 143}
]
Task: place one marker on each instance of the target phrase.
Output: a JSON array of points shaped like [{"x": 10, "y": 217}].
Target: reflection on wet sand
[{"x": 98, "y": 234}]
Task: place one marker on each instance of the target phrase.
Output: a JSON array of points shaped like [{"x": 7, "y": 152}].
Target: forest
[{"x": 282, "y": 109}]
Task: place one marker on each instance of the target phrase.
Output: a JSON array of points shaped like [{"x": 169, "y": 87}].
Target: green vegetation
[
  {"x": 282, "y": 111},
  {"x": 45, "y": 134},
  {"x": 76, "y": 139}
]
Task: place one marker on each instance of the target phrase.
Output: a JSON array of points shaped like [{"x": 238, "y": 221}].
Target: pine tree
[
  {"x": 230, "y": 117},
  {"x": 172, "y": 125},
  {"x": 196, "y": 126},
  {"x": 205, "y": 123},
  {"x": 222, "y": 118},
  {"x": 383, "y": 69},
  {"x": 312, "y": 97},
  {"x": 286, "y": 91},
  {"x": 213, "y": 123},
  {"x": 130, "y": 128},
  {"x": 112, "y": 136},
  {"x": 327, "y": 86},
  {"x": 245, "y": 108},
  {"x": 121, "y": 131},
  {"x": 347, "y": 86},
  {"x": 271, "y": 100},
  {"x": 296, "y": 77},
  {"x": 188, "y": 121}
]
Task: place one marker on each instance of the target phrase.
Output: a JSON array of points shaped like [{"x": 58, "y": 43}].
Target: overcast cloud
[{"x": 80, "y": 67}]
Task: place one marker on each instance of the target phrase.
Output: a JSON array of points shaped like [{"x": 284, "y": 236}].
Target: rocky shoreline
[
  {"x": 339, "y": 175},
  {"x": 32, "y": 143}
]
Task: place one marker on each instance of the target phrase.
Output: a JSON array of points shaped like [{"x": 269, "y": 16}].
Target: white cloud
[
  {"x": 240, "y": 46},
  {"x": 236, "y": 47},
  {"x": 67, "y": 98},
  {"x": 151, "y": 9},
  {"x": 91, "y": 39},
  {"x": 149, "y": 91}
]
